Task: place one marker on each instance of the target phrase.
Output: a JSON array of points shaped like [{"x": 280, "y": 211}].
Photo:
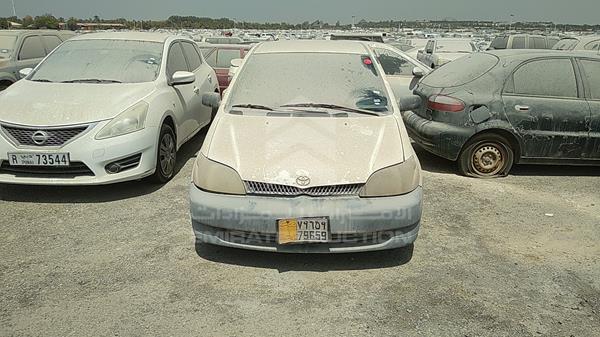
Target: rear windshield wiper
[
  {"x": 91, "y": 80},
  {"x": 42, "y": 80},
  {"x": 253, "y": 106},
  {"x": 331, "y": 106}
]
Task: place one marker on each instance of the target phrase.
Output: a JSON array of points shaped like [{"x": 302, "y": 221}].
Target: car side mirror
[
  {"x": 407, "y": 103},
  {"x": 183, "y": 77},
  {"x": 211, "y": 99},
  {"x": 418, "y": 72},
  {"x": 25, "y": 72}
]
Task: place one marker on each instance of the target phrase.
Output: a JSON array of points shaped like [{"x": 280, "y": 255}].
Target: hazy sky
[{"x": 561, "y": 11}]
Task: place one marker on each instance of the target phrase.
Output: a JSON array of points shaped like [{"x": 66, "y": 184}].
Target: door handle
[
  {"x": 196, "y": 90},
  {"x": 521, "y": 107}
]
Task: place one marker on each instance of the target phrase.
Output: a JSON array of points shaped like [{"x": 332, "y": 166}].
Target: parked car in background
[
  {"x": 492, "y": 109},
  {"x": 219, "y": 57},
  {"x": 307, "y": 131},
  {"x": 402, "y": 71},
  {"x": 21, "y": 49},
  {"x": 105, "y": 108},
  {"x": 374, "y": 37},
  {"x": 588, "y": 42},
  {"x": 219, "y": 39},
  {"x": 438, "y": 52},
  {"x": 523, "y": 41}
]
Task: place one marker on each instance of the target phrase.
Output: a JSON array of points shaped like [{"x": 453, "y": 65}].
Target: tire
[
  {"x": 166, "y": 155},
  {"x": 486, "y": 156},
  {"x": 4, "y": 85}
]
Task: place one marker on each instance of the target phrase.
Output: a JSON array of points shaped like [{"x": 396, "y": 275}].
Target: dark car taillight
[{"x": 445, "y": 103}]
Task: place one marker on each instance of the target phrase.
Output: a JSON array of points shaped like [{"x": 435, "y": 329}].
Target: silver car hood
[
  {"x": 53, "y": 104},
  {"x": 330, "y": 151}
]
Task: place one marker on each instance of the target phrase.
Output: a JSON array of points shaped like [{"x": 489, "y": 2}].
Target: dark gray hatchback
[{"x": 492, "y": 109}]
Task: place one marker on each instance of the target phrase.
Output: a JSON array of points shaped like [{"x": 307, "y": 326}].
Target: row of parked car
[{"x": 304, "y": 131}]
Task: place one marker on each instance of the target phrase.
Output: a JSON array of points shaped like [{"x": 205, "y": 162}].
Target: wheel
[
  {"x": 4, "y": 85},
  {"x": 486, "y": 156},
  {"x": 166, "y": 155}
]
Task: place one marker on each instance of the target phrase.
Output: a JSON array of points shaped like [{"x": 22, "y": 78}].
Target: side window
[
  {"x": 594, "y": 45},
  {"x": 591, "y": 72},
  {"x": 32, "y": 48},
  {"x": 537, "y": 43},
  {"x": 519, "y": 42},
  {"x": 429, "y": 47},
  {"x": 551, "y": 77},
  {"x": 192, "y": 55},
  {"x": 51, "y": 42},
  {"x": 392, "y": 63},
  {"x": 225, "y": 56},
  {"x": 176, "y": 60}
]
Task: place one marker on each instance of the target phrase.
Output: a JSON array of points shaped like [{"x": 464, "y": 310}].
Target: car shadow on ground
[
  {"x": 102, "y": 193},
  {"x": 284, "y": 262},
  {"x": 435, "y": 164}
]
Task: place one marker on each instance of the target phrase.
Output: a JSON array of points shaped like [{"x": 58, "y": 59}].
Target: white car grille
[
  {"x": 258, "y": 188},
  {"x": 54, "y": 136}
]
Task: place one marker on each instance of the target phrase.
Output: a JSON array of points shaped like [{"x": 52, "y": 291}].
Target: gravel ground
[{"x": 508, "y": 257}]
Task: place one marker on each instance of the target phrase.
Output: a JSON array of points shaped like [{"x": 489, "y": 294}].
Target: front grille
[
  {"x": 258, "y": 188},
  {"x": 55, "y": 136},
  {"x": 75, "y": 169}
]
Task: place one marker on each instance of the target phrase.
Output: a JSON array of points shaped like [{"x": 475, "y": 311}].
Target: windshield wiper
[
  {"x": 91, "y": 80},
  {"x": 42, "y": 80},
  {"x": 331, "y": 106},
  {"x": 253, "y": 106}
]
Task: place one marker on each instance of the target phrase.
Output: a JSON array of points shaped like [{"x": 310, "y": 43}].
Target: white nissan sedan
[
  {"x": 308, "y": 153},
  {"x": 104, "y": 108}
]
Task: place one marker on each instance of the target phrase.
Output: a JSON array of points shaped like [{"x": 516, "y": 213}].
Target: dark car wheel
[
  {"x": 166, "y": 155},
  {"x": 486, "y": 156},
  {"x": 4, "y": 85}
]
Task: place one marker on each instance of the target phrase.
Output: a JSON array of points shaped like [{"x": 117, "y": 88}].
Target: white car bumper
[{"x": 88, "y": 157}]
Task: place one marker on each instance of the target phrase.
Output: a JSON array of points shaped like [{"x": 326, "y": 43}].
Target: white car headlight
[
  {"x": 394, "y": 180},
  {"x": 215, "y": 177},
  {"x": 128, "y": 121}
]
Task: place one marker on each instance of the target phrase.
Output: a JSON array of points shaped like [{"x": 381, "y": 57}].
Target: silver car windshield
[
  {"x": 7, "y": 45},
  {"x": 284, "y": 79},
  {"x": 102, "y": 61}
]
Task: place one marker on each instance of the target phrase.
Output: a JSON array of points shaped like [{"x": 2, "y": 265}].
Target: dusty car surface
[
  {"x": 401, "y": 70},
  {"x": 308, "y": 153},
  {"x": 105, "y": 108},
  {"x": 589, "y": 42},
  {"x": 492, "y": 109},
  {"x": 219, "y": 57},
  {"x": 438, "y": 52},
  {"x": 20, "y": 49},
  {"x": 523, "y": 41}
]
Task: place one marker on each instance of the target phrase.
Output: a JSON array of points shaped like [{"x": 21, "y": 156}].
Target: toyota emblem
[
  {"x": 40, "y": 137},
  {"x": 303, "y": 181}
]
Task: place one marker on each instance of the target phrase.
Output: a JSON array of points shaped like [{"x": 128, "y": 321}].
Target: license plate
[
  {"x": 38, "y": 159},
  {"x": 303, "y": 230}
]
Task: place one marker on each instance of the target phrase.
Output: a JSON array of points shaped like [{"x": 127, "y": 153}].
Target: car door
[
  {"x": 31, "y": 52},
  {"x": 204, "y": 84},
  {"x": 590, "y": 70},
  {"x": 543, "y": 100},
  {"x": 185, "y": 94},
  {"x": 398, "y": 71}
]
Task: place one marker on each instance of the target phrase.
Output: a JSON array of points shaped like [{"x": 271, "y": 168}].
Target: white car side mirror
[
  {"x": 183, "y": 77},
  {"x": 211, "y": 99},
  {"x": 236, "y": 63},
  {"x": 25, "y": 72}
]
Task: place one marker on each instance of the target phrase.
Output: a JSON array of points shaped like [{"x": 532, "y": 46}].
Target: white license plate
[
  {"x": 303, "y": 230},
  {"x": 38, "y": 159}
]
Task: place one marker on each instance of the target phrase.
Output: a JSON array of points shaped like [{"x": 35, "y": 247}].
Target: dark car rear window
[
  {"x": 500, "y": 42},
  {"x": 461, "y": 71}
]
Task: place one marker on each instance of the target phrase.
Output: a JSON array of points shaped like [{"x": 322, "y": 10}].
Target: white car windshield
[
  {"x": 311, "y": 79},
  {"x": 7, "y": 45},
  {"x": 102, "y": 61}
]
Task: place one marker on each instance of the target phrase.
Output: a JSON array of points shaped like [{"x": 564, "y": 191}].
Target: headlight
[
  {"x": 394, "y": 180},
  {"x": 215, "y": 177},
  {"x": 130, "y": 120}
]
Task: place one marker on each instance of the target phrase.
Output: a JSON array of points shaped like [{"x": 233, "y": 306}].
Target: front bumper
[
  {"x": 441, "y": 139},
  {"x": 90, "y": 154},
  {"x": 356, "y": 224}
]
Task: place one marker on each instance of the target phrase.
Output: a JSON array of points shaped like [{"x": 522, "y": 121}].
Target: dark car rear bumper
[{"x": 441, "y": 139}]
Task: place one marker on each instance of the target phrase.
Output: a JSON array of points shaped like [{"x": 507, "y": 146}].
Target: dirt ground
[{"x": 517, "y": 256}]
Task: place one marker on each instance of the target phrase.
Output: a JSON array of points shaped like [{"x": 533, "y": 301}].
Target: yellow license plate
[{"x": 303, "y": 230}]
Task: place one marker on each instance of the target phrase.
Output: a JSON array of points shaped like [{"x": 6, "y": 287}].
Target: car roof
[
  {"x": 312, "y": 46},
  {"x": 33, "y": 31},
  {"x": 225, "y": 45},
  {"x": 589, "y": 38},
  {"x": 136, "y": 36},
  {"x": 530, "y": 53}
]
